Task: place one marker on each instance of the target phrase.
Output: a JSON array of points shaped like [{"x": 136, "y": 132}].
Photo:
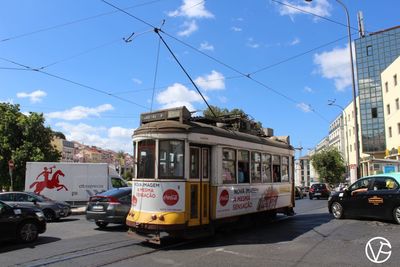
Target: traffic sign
[{"x": 11, "y": 164}]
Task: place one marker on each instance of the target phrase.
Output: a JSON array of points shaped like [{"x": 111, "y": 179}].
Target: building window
[
  {"x": 390, "y": 132},
  {"x": 397, "y": 104},
  {"x": 374, "y": 113},
  {"x": 388, "y": 109},
  {"x": 398, "y": 128},
  {"x": 369, "y": 50},
  {"x": 386, "y": 87},
  {"x": 395, "y": 79}
]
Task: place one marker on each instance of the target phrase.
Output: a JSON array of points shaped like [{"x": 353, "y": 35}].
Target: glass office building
[{"x": 374, "y": 52}]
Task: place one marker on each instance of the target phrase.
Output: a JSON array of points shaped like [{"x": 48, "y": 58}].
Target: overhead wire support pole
[{"x": 157, "y": 31}]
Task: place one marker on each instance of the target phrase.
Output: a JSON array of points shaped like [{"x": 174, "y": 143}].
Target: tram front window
[
  {"x": 146, "y": 151},
  {"x": 171, "y": 159}
]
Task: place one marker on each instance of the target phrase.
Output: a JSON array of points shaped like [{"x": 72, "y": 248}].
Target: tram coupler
[{"x": 290, "y": 212}]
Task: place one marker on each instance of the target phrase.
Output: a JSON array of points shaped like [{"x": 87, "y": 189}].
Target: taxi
[{"x": 376, "y": 196}]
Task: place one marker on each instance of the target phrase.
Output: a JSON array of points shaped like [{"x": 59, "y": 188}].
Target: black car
[
  {"x": 21, "y": 223},
  {"x": 375, "y": 196},
  {"x": 53, "y": 210},
  {"x": 111, "y": 206},
  {"x": 320, "y": 190}
]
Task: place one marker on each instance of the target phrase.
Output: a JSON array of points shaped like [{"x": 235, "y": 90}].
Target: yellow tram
[{"x": 193, "y": 173}]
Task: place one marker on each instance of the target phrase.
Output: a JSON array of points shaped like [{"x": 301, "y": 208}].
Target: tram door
[{"x": 199, "y": 186}]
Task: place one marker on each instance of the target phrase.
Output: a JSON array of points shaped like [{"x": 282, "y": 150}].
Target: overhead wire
[
  {"x": 73, "y": 22},
  {"x": 158, "y": 31},
  {"x": 73, "y": 82}
]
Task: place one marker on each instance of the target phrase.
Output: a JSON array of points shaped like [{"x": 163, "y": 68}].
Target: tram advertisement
[
  {"x": 155, "y": 196},
  {"x": 246, "y": 199}
]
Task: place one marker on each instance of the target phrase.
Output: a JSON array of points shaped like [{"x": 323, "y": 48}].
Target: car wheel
[
  {"x": 337, "y": 210},
  {"x": 49, "y": 215},
  {"x": 396, "y": 214},
  {"x": 311, "y": 197},
  {"x": 28, "y": 232},
  {"x": 102, "y": 224}
]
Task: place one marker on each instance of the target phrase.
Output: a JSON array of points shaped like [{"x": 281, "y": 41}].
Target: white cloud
[
  {"x": 79, "y": 112},
  {"x": 335, "y": 65},
  {"x": 320, "y": 7},
  {"x": 308, "y": 89},
  {"x": 115, "y": 138},
  {"x": 137, "y": 81},
  {"x": 236, "y": 29},
  {"x": 178, "y": 95},
  {"x": 251, "y": 43},
  {"x": 206, "y": 46},
  {"x": 34, "y": 97},
  {"x": 304, "y": 107},
  {"x": 213, "y": 81},
  {"x": 295, "y": 41},
  {"x": 190, "y": 27},
  {"x": 192, "y": 9}
]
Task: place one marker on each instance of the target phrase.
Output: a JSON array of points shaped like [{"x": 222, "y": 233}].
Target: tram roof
[{"x": 172, "y": 126}]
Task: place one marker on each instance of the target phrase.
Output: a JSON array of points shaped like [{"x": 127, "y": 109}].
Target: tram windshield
[
  {"x": 146, "y": 160},
  {"x": 171, "y": 159}
]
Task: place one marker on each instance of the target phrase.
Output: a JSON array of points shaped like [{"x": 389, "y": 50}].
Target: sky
[{"x": 92, "y": 67}]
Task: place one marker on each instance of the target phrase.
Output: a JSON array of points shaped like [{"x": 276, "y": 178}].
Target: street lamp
[
  {"x": 332, "y": 103},
  {"x": 356, "y": 145}
]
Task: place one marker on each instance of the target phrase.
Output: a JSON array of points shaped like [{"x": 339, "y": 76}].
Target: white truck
[{"x": 71, "y": 182}]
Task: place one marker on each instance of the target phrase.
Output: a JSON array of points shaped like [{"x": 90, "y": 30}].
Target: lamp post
[
  {"x": 332, "y": 103},
  {"x": 356, "y": 145}
]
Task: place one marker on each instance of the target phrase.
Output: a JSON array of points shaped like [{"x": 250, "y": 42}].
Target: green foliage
[
  {"x": 220, "y": 112},
  {"x": 127, "y": 175},
  {"x": 22, "y": 138},
  {"x": 330, "y": 165}
]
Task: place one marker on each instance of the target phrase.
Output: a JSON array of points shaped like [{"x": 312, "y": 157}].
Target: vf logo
[{"x": 378, "y": 249}]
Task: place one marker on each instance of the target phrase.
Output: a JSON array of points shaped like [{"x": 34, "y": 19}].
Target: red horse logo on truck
[{"x": 54, "y": 182}]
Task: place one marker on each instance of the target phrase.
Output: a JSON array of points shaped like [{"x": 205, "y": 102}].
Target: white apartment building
[{"x": 390, "y": 79}]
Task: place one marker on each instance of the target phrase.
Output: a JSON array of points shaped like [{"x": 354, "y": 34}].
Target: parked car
[
  {"x": 376, "y": 196},
  {"x": 299, "y": 193},
  {"x": 111, "y": 206},
  {"x": 53, "y": 210},
  {"x": 21, "y": 223},
  {"x": 319, "y": 190}
]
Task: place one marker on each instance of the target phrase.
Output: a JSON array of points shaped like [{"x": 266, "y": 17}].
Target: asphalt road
[{"x": 310, "y": 238}]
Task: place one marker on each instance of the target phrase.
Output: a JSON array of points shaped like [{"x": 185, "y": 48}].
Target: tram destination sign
[{"x": 154, "y": 116}]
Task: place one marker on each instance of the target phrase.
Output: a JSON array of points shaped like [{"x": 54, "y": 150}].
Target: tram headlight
[
  {"x": 154, "y": 217},
  {"x": 161, "y": 217}
]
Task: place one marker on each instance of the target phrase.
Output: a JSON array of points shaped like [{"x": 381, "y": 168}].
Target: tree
[
  {"x": 330, "y": 165},
  {"x": 22, "y": 138}
]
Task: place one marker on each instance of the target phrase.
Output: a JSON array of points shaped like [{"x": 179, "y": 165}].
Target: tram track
[{"x": 135, "y": 247}]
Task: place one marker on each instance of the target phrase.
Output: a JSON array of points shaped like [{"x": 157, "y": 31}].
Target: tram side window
[
  {"x": 146, "y": 152},
  {"x": 205, "y": 163},
  {"x": 243, "y": 166},
  {"x": 228, "y": 166},
  {"x": 255, "y": 167},
  {"x": 194, "y": 162},
  {"x": 171, "y": 159},
  {"x": 285, "y": 169},
  {"x": 276, "y": 168},
  {"x": 266, "y": 168}
]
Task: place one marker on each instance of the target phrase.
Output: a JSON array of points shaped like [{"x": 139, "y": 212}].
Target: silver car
[{"x": 53, "y": 210}]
